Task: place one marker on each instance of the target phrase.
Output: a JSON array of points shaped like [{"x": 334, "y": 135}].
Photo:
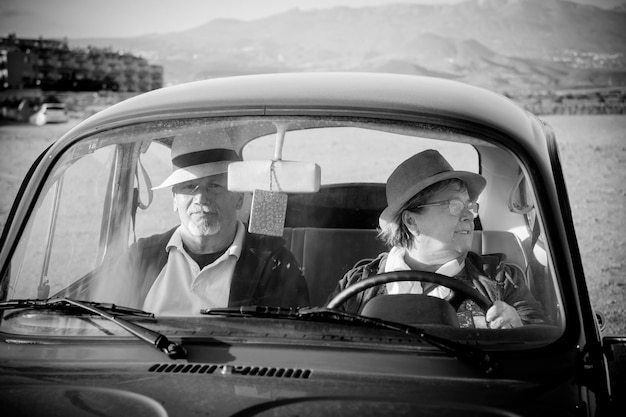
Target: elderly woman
[{"x": 428, "y": 224}]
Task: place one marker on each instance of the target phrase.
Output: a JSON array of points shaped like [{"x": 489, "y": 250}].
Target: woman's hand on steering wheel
[{"x": 502, "y": 316}]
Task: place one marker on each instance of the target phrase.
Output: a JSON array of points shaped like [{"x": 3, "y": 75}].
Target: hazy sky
[{"x": 121, "y": 18}]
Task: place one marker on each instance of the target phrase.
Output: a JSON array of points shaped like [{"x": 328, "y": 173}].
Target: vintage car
[{"x": 317, "y": 150}]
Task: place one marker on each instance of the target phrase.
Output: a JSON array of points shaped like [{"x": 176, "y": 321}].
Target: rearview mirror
[{"x": 275, "y": 176}]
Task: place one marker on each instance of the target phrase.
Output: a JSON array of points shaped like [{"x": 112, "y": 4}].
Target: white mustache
[{"x": 202, "y": 209}]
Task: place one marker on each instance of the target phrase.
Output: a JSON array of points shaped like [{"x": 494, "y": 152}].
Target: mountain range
[{"x": 506, "y": 45}]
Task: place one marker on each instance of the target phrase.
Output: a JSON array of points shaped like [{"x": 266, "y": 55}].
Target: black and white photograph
[{"x": 312, "y": 208}]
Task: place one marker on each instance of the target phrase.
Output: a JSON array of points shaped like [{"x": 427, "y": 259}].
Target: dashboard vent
[{"x": 230, "y": 370}]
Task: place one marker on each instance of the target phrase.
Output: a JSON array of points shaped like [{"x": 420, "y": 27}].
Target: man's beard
[{"x": 201, "y": 224}]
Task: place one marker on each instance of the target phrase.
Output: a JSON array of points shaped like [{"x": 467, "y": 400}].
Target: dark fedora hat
[{"x": 420, "y": 171}]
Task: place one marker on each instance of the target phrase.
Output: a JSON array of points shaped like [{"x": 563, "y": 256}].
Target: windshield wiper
[
  {"x": 109, "y": 312},
  {"x": 47, "y": 304},
  {"x": 468, "y": 354},
  {"x": 253, "y": 311}
]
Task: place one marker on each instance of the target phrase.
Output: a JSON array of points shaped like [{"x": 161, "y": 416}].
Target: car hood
[{"x": 250, "y": 398}]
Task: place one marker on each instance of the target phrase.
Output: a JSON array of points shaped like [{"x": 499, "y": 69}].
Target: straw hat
[
  {"x": 198, "y": 157},
  {"x": 418, "y": 172}
]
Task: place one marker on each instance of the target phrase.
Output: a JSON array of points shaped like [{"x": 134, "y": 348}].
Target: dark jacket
[
  {"x": 266, "y": 273},
  {"x": 489, "y": 274}
]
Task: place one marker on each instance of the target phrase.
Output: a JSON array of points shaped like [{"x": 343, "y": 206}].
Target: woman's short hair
[{"x": 395, "y": 232}]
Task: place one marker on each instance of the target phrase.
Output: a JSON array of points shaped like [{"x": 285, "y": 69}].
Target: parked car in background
[
  {"x": 65, "y": 347},
  {"x": 49, "y": 113},
  {"x": 18, "y": 109}
]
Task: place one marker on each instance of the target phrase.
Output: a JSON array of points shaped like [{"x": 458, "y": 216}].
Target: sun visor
[{"x": 274, "y": 176}]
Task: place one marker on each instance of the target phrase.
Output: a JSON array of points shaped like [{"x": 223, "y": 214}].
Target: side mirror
[{"x": 615, "y": 353}]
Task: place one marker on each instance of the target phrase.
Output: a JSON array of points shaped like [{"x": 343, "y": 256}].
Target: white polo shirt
[{"x": 183, "y": 289}]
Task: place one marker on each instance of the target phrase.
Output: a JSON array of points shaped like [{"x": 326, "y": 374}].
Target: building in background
[{"x": 51, "y": 65}]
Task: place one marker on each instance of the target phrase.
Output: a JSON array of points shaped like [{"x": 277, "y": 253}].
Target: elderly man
[{"x": 209, "y": 260}]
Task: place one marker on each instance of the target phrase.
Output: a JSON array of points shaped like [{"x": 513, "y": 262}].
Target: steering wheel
[{"x": 459, "y": 290}]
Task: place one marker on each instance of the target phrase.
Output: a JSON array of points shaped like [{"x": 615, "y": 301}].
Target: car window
[
  {"x": 98, "y": 202},
  {"x": 64, "y": 234},
  {"x": 351, "y": 154},
  {"x": 154, "y": 211}
]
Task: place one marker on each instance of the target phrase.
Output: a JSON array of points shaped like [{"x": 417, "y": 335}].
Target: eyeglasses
[
  {"x": 191, "y": 188},
  {"x": 455, "y": 206}
]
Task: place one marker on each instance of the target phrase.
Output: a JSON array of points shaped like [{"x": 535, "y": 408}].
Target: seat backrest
[
  {"x": 498, "y": 241},
  {"x": 327, "y": 254}
]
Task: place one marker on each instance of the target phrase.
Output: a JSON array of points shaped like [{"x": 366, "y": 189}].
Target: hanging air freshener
[{"x": 267, "y": 215}]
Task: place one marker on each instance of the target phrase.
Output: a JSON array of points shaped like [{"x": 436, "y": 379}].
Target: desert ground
[{"x": 593, "y": 154}]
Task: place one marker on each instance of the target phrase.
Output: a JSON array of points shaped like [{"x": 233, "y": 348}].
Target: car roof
[{"x": 336, "y": 94}]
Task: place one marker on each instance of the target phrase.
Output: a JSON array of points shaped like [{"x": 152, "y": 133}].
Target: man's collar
[{"x": 176, "y": 241}]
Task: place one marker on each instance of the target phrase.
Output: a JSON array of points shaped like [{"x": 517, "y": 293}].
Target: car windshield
[{"x": 315, "y": 185}]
